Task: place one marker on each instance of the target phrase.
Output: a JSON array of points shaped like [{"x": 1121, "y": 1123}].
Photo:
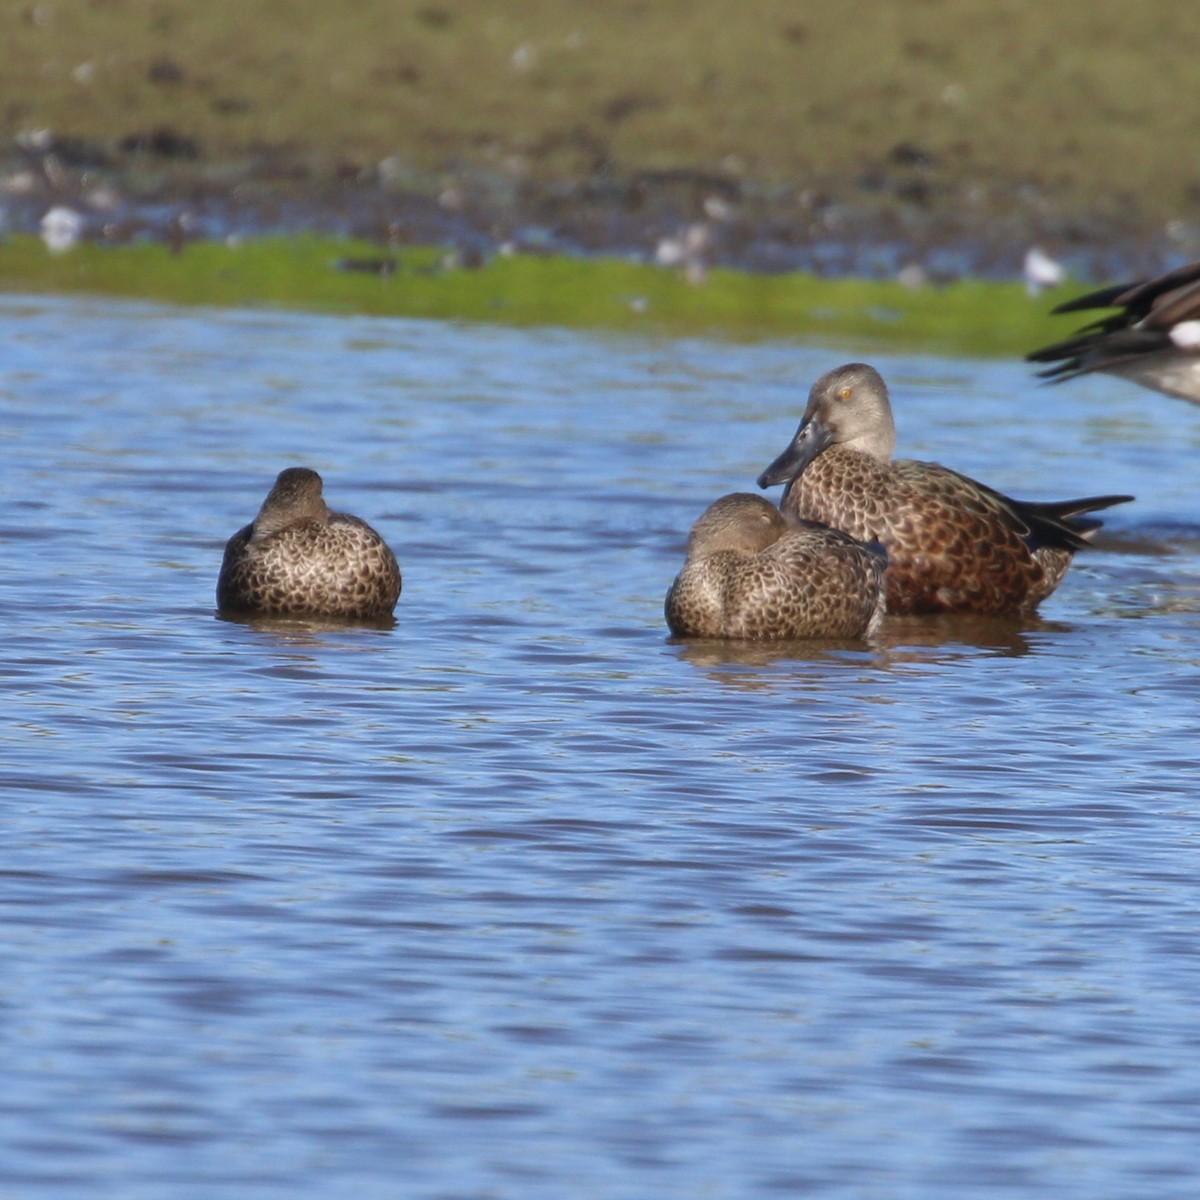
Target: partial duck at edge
[{"x": 1153, "y": 340}]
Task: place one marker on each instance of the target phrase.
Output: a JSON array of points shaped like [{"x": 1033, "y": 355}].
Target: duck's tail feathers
[{"x": 1063, "y": 524}]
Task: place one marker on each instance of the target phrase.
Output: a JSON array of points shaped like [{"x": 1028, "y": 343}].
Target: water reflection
[
  {"x": 300, "y": 629},
  {"x": 1007, "y": 636},
  {"x": 1155, "y": 539},
  {"x": 904, "y": 639},
  {"x": 703, "y": 652}
]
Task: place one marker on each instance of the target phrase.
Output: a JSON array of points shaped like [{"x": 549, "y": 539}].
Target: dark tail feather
[
  {"x": 1097, "y": 348},
  {"x": 1109, "y": 297},
  {"x": 1062, "y": 523}
]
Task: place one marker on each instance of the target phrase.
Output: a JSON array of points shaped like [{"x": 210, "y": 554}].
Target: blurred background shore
[{"x": 863, "y": 139}]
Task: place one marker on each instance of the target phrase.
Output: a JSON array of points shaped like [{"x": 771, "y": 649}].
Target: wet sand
[{"x": 948, "y": 136}]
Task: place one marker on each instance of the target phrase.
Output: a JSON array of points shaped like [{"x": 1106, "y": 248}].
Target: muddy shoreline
[
  {"x": 939, "y": 138},
  {"x": 905, "y": 217}
]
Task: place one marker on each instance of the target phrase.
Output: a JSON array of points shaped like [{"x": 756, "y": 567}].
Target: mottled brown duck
[
  {"x": 753, "y": 574},
  {"x": 299, "y": 558},
  {"x": 1154, "y": 338},
  {"x": 953, "y": 545}
]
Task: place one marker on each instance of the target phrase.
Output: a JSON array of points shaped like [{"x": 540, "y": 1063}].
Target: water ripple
[{"x": 516, "y": 896}]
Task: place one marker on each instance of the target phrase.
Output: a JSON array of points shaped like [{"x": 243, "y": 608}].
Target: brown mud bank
[{"x": 942, "y": 136}]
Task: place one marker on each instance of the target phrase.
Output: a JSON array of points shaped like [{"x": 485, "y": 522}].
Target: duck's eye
[{"x": 845, "y": 393}]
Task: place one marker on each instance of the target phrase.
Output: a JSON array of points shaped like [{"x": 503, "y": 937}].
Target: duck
[
  {"x": 1154, "y": 340},
  {"x": 297, "y": 557},
  {"x": 753, "y": 574},
  {"x": 953, "y": 544}
]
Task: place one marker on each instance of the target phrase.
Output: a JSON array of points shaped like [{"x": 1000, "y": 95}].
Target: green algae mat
[{"x": 320, "y": 274}]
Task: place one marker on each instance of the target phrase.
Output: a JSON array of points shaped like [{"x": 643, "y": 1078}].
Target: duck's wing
[{"x": 1153, "y": 338}]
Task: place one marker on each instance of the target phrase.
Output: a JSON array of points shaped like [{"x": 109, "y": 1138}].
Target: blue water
[{"x": 519, "y": 899}]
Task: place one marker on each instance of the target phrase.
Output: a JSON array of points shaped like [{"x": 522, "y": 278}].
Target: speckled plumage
[
  {"x": 298, "y": 557},
  {"x": 752, "y": 574},
  {"x": 953, "y": 544}
]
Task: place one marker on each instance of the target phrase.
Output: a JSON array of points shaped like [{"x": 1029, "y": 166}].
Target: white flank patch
[{"x": 1186, "y": 335}]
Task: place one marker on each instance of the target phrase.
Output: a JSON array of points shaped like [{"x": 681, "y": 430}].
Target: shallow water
[{"x": 520, "y": 899}]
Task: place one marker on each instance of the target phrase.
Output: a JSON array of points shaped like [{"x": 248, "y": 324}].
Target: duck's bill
[{"x": 811, "y": 438}]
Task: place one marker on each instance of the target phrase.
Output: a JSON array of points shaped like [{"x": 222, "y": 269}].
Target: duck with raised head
[
  {"x": 953, "y": 544},
  {"x": 297, "y": 557},
  {"x": 1154, "y": 338},
  {"x": 753, "y": 574}
]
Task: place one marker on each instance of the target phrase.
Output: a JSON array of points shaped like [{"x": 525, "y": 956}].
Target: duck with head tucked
[
  {"x": 953, "y": 544},
  {"x": 751, "y": 573},
  {"x": 299, "y": 558}
]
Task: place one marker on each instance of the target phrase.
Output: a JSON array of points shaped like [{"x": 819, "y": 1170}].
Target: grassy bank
[{"x": 309, "y": 273}]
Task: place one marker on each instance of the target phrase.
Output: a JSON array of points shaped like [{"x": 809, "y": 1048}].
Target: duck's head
[
  {"x": 296, "y": 497},
  {"x": 847, "y": 406},
  {"x": 740, "y": 521}
]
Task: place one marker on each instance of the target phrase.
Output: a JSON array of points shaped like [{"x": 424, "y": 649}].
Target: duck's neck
[
  {"x": 272, "y": 518},
  {"x": 878, "y": 443}
]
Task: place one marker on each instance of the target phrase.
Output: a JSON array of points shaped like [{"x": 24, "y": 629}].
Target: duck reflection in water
[{"x": 901, "y": 643}]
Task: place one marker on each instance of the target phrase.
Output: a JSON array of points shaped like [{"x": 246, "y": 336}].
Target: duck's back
[
  {"x": 339, "y": 567},
  {"x": 822, "y": 582},
  {"x": 952, "y": 543},
  {"x": 811, "y": 583}
]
